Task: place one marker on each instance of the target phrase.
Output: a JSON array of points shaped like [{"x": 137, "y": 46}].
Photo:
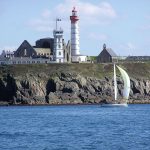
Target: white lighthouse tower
[
  {"x": 75, "y": 49},
  {"x": 58, "y": 54}
]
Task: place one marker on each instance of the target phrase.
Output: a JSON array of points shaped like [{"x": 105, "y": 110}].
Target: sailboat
[{"x": 126, "y": 89}]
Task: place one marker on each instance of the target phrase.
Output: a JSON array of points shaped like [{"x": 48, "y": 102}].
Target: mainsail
[
  {"x": 126, "y": 80},
  {"x": 126, "y": 89}
]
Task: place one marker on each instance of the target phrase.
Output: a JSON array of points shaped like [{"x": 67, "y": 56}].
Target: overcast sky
[{"x": 124, "y": 25}]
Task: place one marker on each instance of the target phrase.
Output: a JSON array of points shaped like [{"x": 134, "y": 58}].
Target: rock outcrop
[{"x": 65, "y": 87}]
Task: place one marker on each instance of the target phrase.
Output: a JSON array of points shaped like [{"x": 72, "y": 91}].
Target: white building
[
  {"x": 75, "y": 44},
  {"x": 24, "y": 60},
  {"x": 58, "y": 53}
]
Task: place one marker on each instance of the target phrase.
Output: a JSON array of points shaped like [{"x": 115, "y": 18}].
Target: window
[
  {"x": 25, "y": 52},
  {"x": 59, "y": 53}
]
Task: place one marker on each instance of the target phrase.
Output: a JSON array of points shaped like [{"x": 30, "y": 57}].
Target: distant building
[
  {"x": 53, "y": 50},
  {"x": 44, "y": 48},
  {"x": 25, "y": 50},
  {"x": 67, "y": 51},
  {"x": 107, "y": 55},
  {"x": 58, "y": 53},
  {"x": 138, "y": 58},
  {"x": 24, "y": 60},
  {"x": 7, "y": 54},
  {"x": 45, "y": 43},
  {"x": 41, "y": 50}
]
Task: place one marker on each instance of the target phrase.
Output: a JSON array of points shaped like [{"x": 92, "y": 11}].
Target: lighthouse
[{"x": 75, "y": 49}]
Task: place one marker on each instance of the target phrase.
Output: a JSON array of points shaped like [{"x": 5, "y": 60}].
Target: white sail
[
  {"x": 126, "y": 89},
  {"x": 126, "y": 80},
  {"x": 115, "y": 83}
]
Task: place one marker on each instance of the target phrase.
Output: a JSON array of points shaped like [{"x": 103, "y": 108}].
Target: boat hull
[{"x": 115, "y": 105}]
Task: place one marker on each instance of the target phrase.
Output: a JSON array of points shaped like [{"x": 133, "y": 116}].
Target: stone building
[
  {"x": 7, "y": 54},
  {"x": 67, "y": 51},
  {"x": 25, "y": 50},
  {"x": 107, "y": 55},
  {"x": 43, "y": 49},
  {"x": 45, "y": 43}
]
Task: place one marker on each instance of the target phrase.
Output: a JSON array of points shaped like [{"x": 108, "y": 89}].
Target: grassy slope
[{"x": 135, "y": 70}]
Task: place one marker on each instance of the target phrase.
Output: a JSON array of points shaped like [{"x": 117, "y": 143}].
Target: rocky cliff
[{"x": 70, "y": 83}]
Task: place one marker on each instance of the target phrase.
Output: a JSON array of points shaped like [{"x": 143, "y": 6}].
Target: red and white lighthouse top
[{"x": 74, "y": 18}]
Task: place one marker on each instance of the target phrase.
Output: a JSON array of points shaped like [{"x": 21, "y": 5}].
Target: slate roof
[
  {"x": 111, "y": 52},
  {"x": 25, "y": 44}
]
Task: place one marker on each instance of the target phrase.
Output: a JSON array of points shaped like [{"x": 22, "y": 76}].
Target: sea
[{"x": 75, "y": 127}]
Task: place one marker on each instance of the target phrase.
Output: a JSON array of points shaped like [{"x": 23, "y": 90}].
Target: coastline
[
  {"x": 70, "y": 84},
  {"x": 68, "y": 104}
]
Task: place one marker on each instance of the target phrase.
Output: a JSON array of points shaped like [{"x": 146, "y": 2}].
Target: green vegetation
[
  {"x": 93, "y": 58},
  {"x": 135, "y": 70}
]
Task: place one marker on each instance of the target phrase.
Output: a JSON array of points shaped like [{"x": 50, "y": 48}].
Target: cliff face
[{"x": 66, "y": 84}]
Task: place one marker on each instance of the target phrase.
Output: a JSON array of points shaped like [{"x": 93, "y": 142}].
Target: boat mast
[
  {"x": 115, "y": 82},
  {"x": 126, "y": 81}
]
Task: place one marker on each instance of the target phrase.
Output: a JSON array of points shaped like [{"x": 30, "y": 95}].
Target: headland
[{"x": 47, "y": 84}]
